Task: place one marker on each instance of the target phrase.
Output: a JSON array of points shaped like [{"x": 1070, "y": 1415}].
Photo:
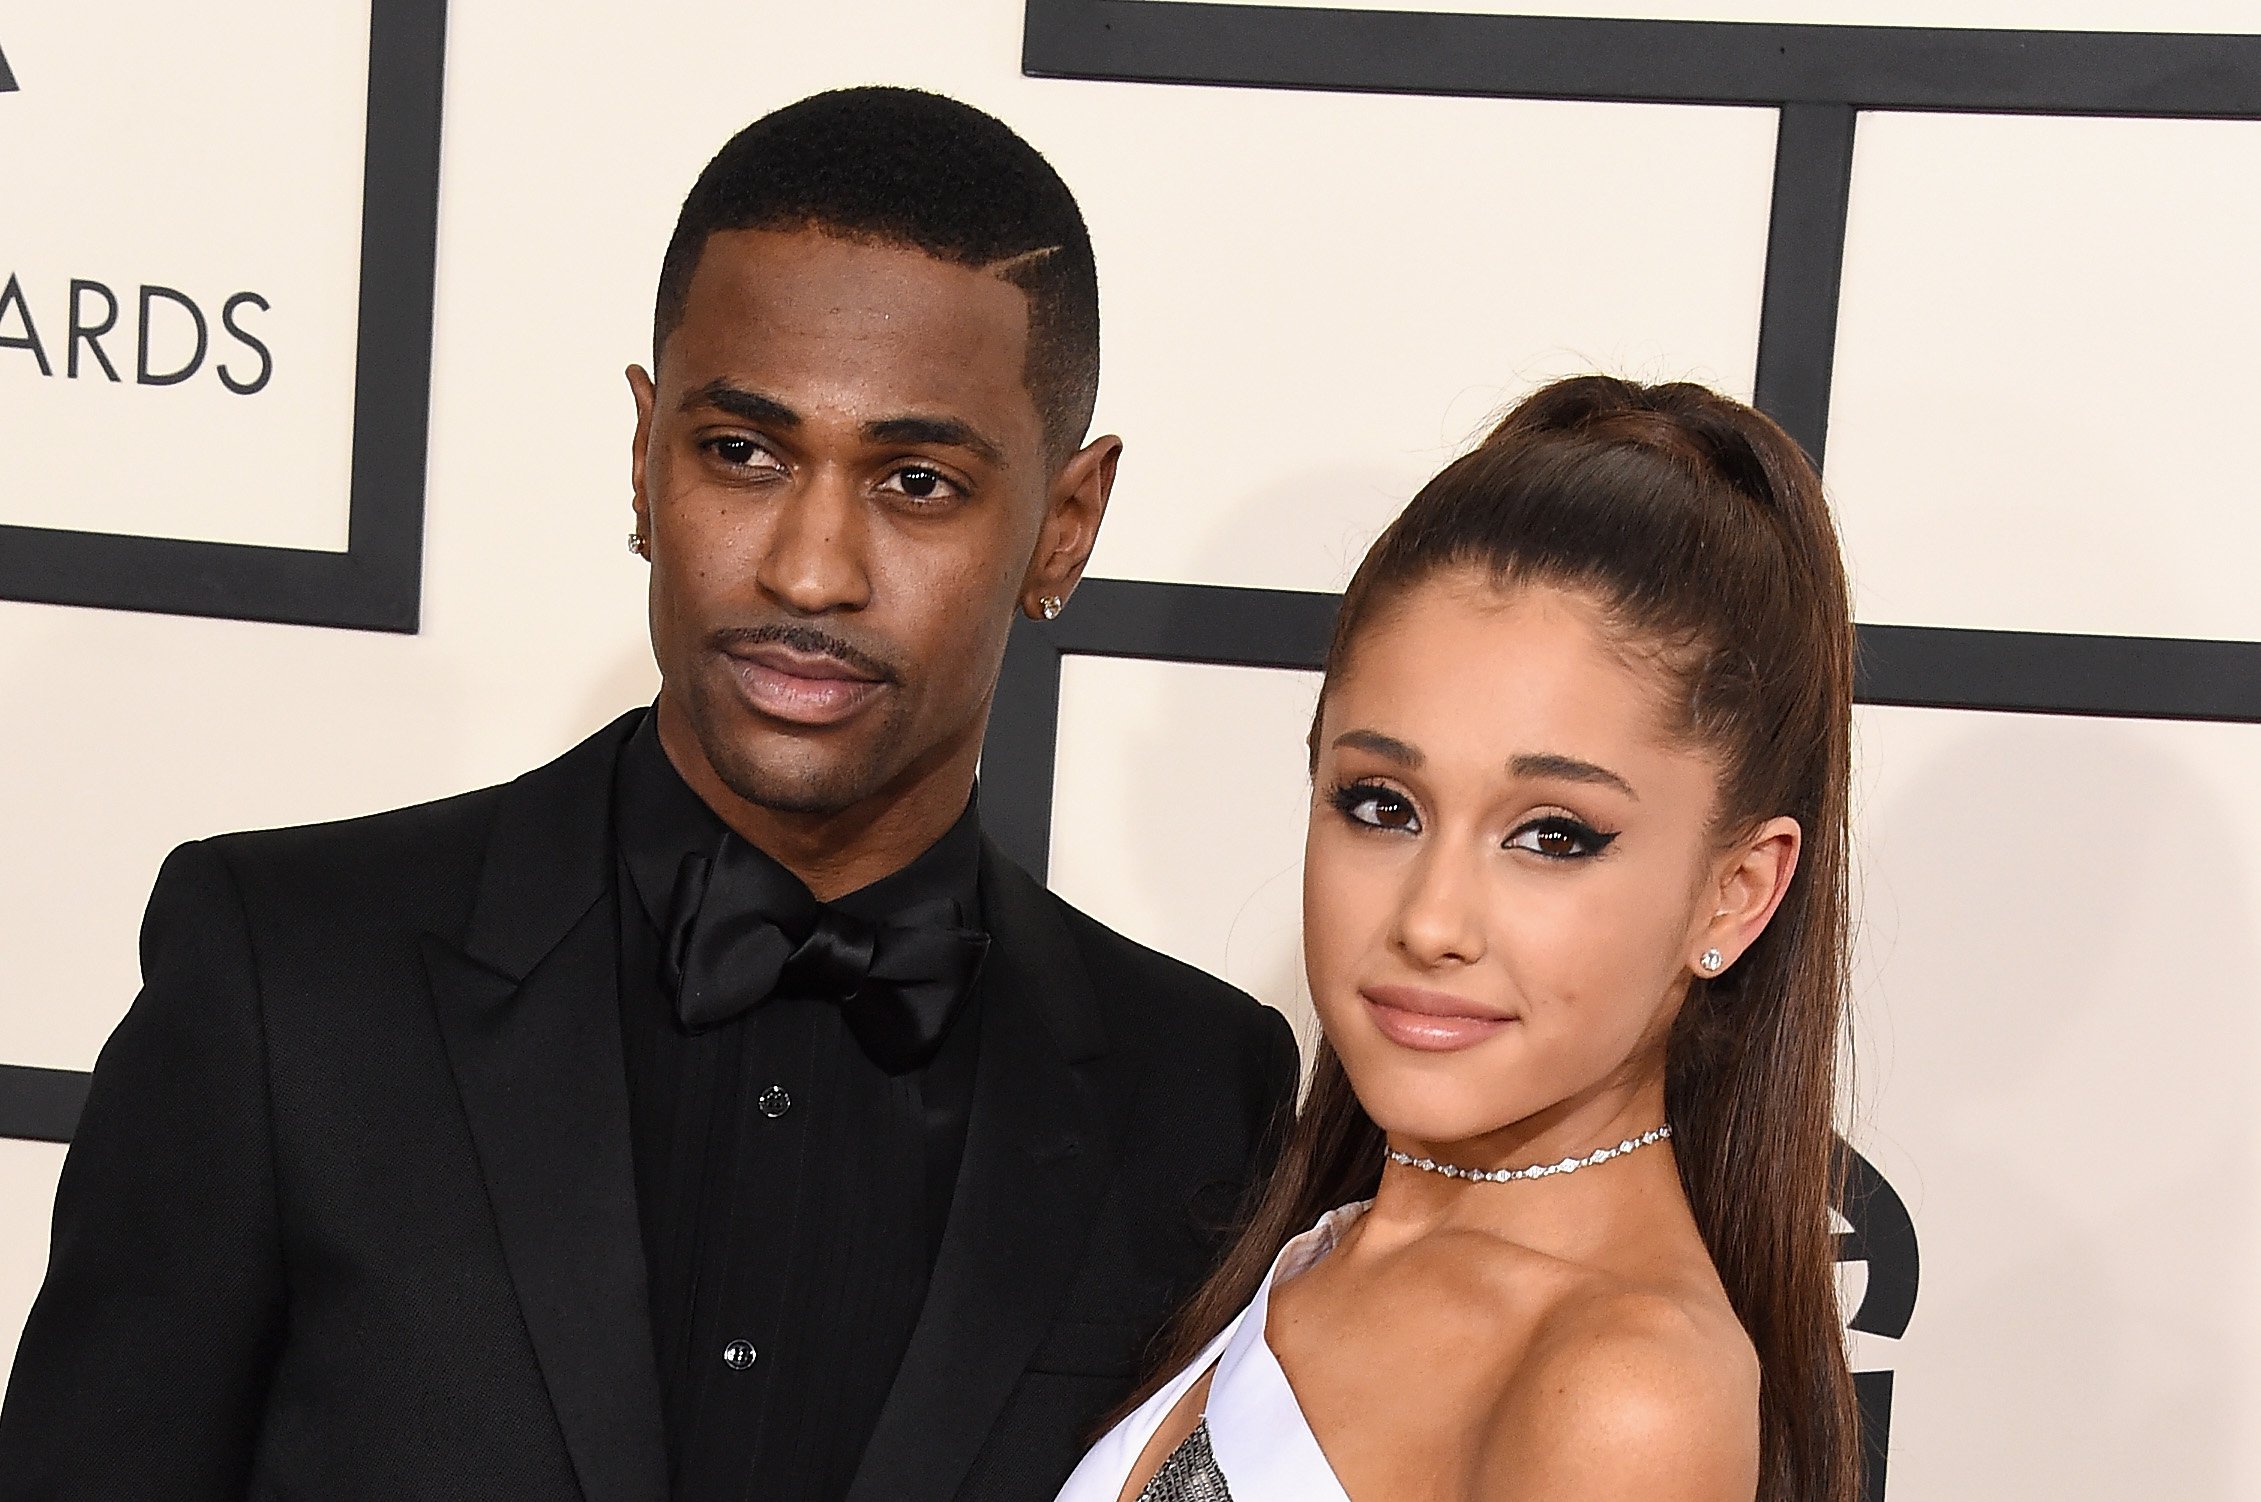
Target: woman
[{"x": 1575, "y": 927}]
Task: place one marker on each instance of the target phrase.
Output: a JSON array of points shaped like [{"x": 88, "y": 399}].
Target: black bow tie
[{"x": 741, "y": 929}]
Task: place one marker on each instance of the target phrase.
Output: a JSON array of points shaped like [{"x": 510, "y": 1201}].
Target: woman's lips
[
  {"x": 1432, "y": 1021},
  {"x": 801, "y": 689}
]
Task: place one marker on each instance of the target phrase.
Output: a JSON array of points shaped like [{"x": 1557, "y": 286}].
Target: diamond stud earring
[
  {"x": 1051, "y": 606},
  {"x": 1710, "y": 961},
  {"x": 638, "y": 546}
]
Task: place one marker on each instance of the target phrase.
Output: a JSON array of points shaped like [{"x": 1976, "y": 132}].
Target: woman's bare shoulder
[{"x": 1629, "y": 1392}]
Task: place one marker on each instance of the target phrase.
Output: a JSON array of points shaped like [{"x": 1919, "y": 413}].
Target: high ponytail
[{"x": 1701, "y": 529}]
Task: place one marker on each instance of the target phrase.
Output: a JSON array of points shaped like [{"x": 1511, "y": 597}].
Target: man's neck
[{"x": 843, "y": 851}]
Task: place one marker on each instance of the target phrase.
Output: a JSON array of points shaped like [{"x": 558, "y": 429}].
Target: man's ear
[
  {"x": 1750, "y": 884},
  {"x": 1073, "y": 511},
  {"x": 640, "y": 386}
]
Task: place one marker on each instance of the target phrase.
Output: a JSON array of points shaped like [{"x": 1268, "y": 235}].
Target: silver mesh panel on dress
[{"x": 1190, "y": 1474}]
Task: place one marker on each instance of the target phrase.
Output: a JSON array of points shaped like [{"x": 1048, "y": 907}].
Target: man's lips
[
  {"x": 781, "y": 658},
  {"x": 1432, "y": 1021},
  {"x": 802, "y": 688}
]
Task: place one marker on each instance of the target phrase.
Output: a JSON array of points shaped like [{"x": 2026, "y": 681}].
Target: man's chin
[
  {"x": 802, "y": 786},
  {"x": 790, "y": 771}
]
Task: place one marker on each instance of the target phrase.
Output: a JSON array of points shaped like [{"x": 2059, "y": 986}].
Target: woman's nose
[{"x": 1440, "y": 918}]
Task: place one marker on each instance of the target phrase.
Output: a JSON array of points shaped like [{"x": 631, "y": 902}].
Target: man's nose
[{"x": 813, "y": 560}]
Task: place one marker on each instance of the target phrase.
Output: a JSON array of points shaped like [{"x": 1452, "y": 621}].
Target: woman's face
[{"x": 1511, "y": 869}]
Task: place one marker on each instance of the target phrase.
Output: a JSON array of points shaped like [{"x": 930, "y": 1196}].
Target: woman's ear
[{"x": 1747, "y": 886}]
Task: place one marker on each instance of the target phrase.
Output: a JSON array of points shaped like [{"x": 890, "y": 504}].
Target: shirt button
[
  {"x": 738, "y": 1355},
  {"x": 774, "y": 1102}
]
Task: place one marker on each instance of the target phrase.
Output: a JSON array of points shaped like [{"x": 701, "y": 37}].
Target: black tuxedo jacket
[{"x": 351, "y": 1212}]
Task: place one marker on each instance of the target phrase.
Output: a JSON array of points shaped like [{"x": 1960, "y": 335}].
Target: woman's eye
[
  {"x": 742, "y": 453},
  {"x": 921, "y": 484},
  {"x": 1560, "y": 838},
  {"x": 1377, "y": 807}
]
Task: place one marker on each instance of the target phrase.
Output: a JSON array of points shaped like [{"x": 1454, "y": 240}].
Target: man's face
[{"x": 846, "y": 490}]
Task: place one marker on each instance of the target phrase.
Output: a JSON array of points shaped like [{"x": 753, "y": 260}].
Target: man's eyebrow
[
  {"x": 750, "y": 406},
  {"x": 942, "y": 432},
  {"x": 1569, "y": 769},
  {"x": 1388, "y": 747}
]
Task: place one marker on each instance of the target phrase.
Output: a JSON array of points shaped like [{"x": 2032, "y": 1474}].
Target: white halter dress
[{"x": 1259, "y": 1449}]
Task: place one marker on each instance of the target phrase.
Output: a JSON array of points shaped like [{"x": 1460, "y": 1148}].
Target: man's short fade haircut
[{"x": 913, "y": 169}]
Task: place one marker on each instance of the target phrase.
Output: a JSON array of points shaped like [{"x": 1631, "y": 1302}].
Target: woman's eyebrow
[
  {"x": 1388, "y": 747},
  {"x": 1569, "y": 769}
]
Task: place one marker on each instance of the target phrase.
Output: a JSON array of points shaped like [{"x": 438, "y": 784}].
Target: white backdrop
[{"x": 1311, "y": 301}]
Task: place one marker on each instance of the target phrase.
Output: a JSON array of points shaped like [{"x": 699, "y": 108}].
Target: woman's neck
[{"x": 1578, "y": 1216}]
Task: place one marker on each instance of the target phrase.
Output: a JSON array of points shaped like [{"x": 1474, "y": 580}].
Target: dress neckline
[
  {"x": 1257, "y": 1429},
  {"x": 1257, "y": 1433}
]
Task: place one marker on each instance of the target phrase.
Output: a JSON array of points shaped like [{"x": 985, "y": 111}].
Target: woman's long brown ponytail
[{"x": 1702, "y": 529}]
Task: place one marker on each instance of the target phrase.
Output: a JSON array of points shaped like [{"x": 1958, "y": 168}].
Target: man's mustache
[{"x": 810, "y": 640}]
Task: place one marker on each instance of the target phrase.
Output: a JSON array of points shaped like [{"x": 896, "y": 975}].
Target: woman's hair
[{"x": 1699, "y": 528}]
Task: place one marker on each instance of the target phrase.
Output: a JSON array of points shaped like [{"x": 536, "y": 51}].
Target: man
[{"x": 712, "y": 1113}]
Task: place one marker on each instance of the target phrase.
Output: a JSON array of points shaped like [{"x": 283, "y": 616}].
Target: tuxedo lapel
[
  {"x": 528, "y": 1003},
  {"x": 1040, "y": 1146}
]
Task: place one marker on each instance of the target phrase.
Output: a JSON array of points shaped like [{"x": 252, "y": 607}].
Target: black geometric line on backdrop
[
  {"x": 376, "y": 583},
  {"x": 7, "y": 79},
  {"x": 1883, "y": 1235},
  {"x": 40, "y": 1105},
  {"x": 1957, "y": 69},
  {"x": 1873, "y": 1392},
  {"x": 1819, "y": 78}
]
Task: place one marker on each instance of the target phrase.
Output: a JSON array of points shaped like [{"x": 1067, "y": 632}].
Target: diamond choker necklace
[{"x": 1536, "y": 1170}]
